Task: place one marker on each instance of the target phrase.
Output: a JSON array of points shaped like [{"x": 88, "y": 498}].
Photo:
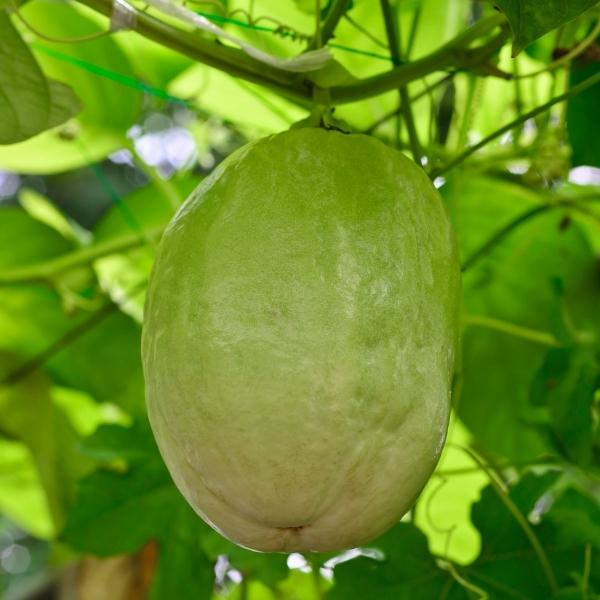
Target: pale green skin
[{"x": 299, "y": 341}]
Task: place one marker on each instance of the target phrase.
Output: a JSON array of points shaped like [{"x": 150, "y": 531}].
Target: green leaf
[
  {"x": 154, "y": 64},
  {"x": 105, "y": 362},
  {"x": 29, "y": 102},
  {"x": 407, "y": 571},
  {"x": 514, "y": 283},
  {"x": 184, "y": 571},
  {"x": 42, "y": 209},
  {"x": 32, "y": 318},
  {"x": 93, "y": 69},
  {"x": 107, "y": 103},
  {"x": 576, "y": 518},
  {"x": 28, "y": 414},
  {"x": 22, "y": 496},
  {"x": 530, "y": 19},
  {"x": 566, "y": 384},
  {"x": 119, "y": 511},
  {"x": 508, "y": 566},
  {"x": 60, "y": 149},
  {"x": 133, "y": 444},
  {"x": 28, "y": 315},
  {"x": 581, "y": 111}
]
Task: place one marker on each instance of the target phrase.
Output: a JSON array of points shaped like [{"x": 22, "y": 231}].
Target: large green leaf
[
  {"x": 29, "y": 102},
  {"x": 183, "y": 570},
  {"x": 57, "y": 150},
  {"x": 22, "y": 496},
  {"x": 29, "y": 315},
  {"x": 154, "y": 64},
  {"x": 28, "y": 414},
  {"x": 566, "y": 383},
  {"x": 530, "y": 19},
  {"x": 406, "y": 571},
  {"x": 514, "y": 283},
  {"x": 118, "y": 511},
  {"x": 110, "y": 108},
  {"x": 510, "y": 566}
]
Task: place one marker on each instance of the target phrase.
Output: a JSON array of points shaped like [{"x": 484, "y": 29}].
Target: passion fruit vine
[{"x": 299, "y": 341}]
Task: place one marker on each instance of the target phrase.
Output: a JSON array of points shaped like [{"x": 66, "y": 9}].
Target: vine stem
[
  {"x": 502, "y": 493},
  {"x": 327, "y": 28},
  {"x": 455, "y": 53},
  {"x": 574, "y": 91},
  {"x": 550, "y": 462},
  {"x": 525, "y": 333},
  {"x": 226, "y": 58},
  {"x": 297, "y": 86},
  {"x": 393, "y": 113},
  {"x": 48, "y": 271},
  {"x": 166, "y": 187},
  {"x": 405, "y": 106},
  {"x": 67, "y": 339}
]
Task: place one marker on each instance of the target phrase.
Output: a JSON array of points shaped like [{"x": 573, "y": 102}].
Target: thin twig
[
  {"x": 336, "y": 12},
  {"x": 518, "y": 331},
  {"x": 66, "y": 340},
  {"x": 391, "y": 114},
  {"x": 405, "y": 106},
  {"x": 47, "y": 271}
]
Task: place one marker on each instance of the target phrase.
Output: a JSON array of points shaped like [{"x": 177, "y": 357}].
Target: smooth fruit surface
[{"x": 299, "y": 341}]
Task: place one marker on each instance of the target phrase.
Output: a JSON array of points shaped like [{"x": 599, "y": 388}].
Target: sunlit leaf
[
  {"x": 530, "y": 19},
  {"x": 29, "y": 102},
  {"x": 22, "y": 496},
  {"x": 29, "y": 415}
]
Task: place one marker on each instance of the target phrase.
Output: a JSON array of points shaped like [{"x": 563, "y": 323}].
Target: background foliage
[{"x": 103, "y": 136}]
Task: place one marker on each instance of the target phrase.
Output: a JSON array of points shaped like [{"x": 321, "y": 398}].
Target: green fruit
[{"x": 299, "y": 341}]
